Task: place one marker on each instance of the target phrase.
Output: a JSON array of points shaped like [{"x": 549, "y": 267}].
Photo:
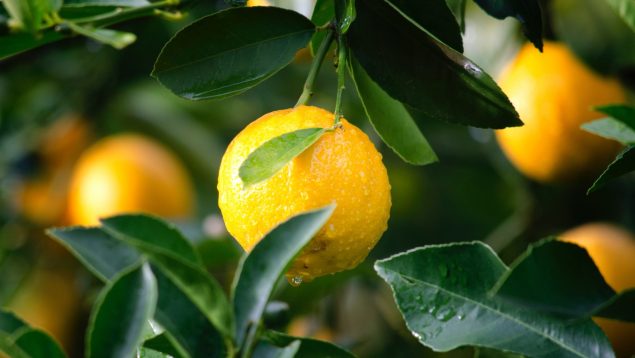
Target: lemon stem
[
  {"x": 341, "y": 68},
  {"x": 307, "y": 92}
]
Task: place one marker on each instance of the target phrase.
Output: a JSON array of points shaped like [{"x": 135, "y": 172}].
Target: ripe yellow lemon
[
  {"x": 128, "y": 173},
  {"x": 613, "y": 251},
  {"x": 554, "y": 94},
  {"x": 343, "y": 166},
  {"x": 258, "y": 3}
]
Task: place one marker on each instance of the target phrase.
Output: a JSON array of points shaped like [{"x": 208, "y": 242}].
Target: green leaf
[
  {"x": 153, "y": 232},
  {"x": 38, "y": 344},
  {"x": 165, "y": 343},
  {"x": 267, "y": 262},
  {"x": 391, "y": 120},
  {"x": 528, "y": 12},
  {"x": 116, "y": 39},
  {"x": 595, "y": 33},
  {"x": 175, "y": 257},
  {"x": 10, "y": 323},
  {"x": 458, "y": 9},
  {"x": 265, "y": 349},
  {"x": 443, "y": 293},
  {"x": 424, "y": 73},
  {"x": 345, "y": 14},
  {"x": 14, "y": 44},
  {"x": 557, "y": 277},
  {"x": 119, "y": 316},
  {"x": 100, "y": 253},
  {"x": 623, "y": 164},
  {"x": 27, "y": 13},
  {"x": 122, "y": 3},
  {"x": 435, "y": 17},
  {"x": 187, "y": 324},
  {"x": 309, "y": 348},
  {"x": 611, "y": 128},
  {"x": 231, "y": 51},
  {"x": 620, "y": 112},
  {"x": 621, "y": 307},
  {"x": 274, "y": 154},
  {"x": 626, "y": 9},
  {"x": 8, "y": 347},
  {"x": 323, "y": 12}
]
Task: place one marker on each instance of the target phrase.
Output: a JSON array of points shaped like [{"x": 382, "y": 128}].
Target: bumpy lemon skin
[
  {"x": 555, "y": 93},
  {"x": 128, "y": 173},
  {"x": 342, "y": 167},
  {"x": 613, "y": 251}
]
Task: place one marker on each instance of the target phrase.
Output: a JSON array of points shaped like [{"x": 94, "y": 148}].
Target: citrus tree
[{"x": 306, "y": 193}]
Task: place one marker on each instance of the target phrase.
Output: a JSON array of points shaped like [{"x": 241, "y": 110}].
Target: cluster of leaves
[
  {"x": 619, "y": 126},
  {"x": 541, "y": 306},
  {"x": 233, "y": 50},
  {"x": 159, "y": 301},
  {"x": 27, "y": 24}
]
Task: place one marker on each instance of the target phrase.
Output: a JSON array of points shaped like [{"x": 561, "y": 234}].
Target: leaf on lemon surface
[{"x": 275, "y": 153}]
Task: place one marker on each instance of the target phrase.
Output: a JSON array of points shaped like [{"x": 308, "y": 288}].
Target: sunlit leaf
[{"x": 274, "y": 154}]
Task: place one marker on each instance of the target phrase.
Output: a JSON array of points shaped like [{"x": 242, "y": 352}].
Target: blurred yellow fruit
[
  {"x": 128, "y": 173},
  {"x": 554, "y": 94},
  {"x": 343, "y": 166},
  {"x": 306, "y": 326},
  {"x": 258, "y": 3},
  {"x": 613, "y": 251},
  {"x": 42, "y": 199},
  {"x": 50, "y": 300}
]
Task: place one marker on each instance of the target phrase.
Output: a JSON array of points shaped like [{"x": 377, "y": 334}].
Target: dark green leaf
[
  {"x": 27, "y": 13},
  {"x": 38, "y": 344},
  {"x": 622, "y": 112},
  {"x": 169, "y": 251},
  {"x": 123, "y": 3},
  {"x": 309, "y": 348},
  {"x": 345, "y": 13},
  {"x": 391, "y": 120},
  {"x": 100, "y": 253},
  {"x": 458, "y": 9},
  {"x": 595, "y": 33},
  {"x": 528, "y": 12},
  {"x": 228, "y": 52},
  {"x": 620, "y": 307},
  {"x": 165, "y": 343},
  {"x": 435, "y": 17},
  {"x": 626, "y": 9},
  {"x": 14, "y": 44},
  {"x": 611, "y": 128},
  {"x": 443, "y": 293},
  {"x": 424, "y": 73},
  {"x": 266, "y": 350},
  {"x": 8, "y": 347},
  {"x": 274, "y": 154},
  {"x": 557, "y": 277},
  {"x": 151, "y": 231},
  {"x": 268, "y": 260},
  {"x": 119, "y": 316},
  {"x": 187, "y": 324},
  {"x": 623, "y": 164},
  {"x": 10, "y": 323},
  {"x": 323, "y": 12},
  {"x": 116, "y": 39}
]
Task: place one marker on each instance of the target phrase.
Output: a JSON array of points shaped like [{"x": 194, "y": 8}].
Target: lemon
[
  {"x": 555, "y": 93},
  {"x": 128, "y": 173},
  {"x": 342, "y": 167},
  {"x": 613, "y": 251}
]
